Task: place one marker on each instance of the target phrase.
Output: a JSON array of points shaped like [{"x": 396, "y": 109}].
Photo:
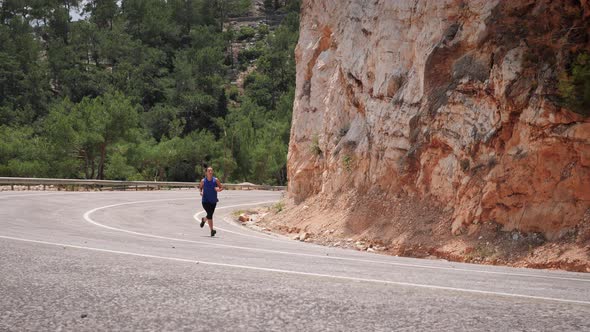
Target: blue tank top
[{"x": 209, "y": 193}]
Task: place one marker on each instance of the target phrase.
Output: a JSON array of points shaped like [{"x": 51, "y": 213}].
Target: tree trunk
[
  {"x": 221, "y": 14},
  {"x": 225, "y": 175},
  {"x": 67, "y": 6},
  {"x": 161, "y": 174},
  {"x": 86, "y": 175},
  {"x": 103, "y": 155}
]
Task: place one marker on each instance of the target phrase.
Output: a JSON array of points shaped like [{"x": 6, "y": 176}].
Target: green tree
[
  {"x": 117, "y": 166},
  {"x": 24, "y": 85},
  {"x": 22, "y": 153},
  {"x": 150, "y": 21},
  {"x": 163, "y": 121},
  {"x": 88, "y": 128},
  {"x": 260, "y": 88},
  {"x": 102, "y": 12},
  {"x": 170, "y": 113}
]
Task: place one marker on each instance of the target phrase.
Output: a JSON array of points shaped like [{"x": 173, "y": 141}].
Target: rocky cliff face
[{"x": 451, "y": 102}]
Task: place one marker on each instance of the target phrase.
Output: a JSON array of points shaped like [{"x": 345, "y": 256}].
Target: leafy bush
[
  {"x": 238, "y": 8},
  {"x": 278, "y": 207},
  {"x": 118, "y": 169},
  {"x": 233, "y": 93},
  {"x": 246, "y": 32},
  {"x": 23, "y": 154},
  {"x": 249, "y": 54},
  {"x": 346, "y": 162},
  {"x": 315, "y": 145},
  {"x": 574, "y": 88},
  {"x": 263, "y": 30}
]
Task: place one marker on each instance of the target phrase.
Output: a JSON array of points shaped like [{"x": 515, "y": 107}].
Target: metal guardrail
[
  {"x": 73, "y": 184},
  {"x": 269, "y": 18}
]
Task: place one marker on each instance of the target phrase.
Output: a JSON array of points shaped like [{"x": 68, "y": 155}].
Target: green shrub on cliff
[{"x": 574, "y": 87}]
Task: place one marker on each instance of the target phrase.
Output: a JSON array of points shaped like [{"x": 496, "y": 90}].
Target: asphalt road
[{"x": 104, "y": 261}]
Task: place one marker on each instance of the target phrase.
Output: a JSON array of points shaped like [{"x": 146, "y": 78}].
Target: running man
[{"x": 209, "y": 187}]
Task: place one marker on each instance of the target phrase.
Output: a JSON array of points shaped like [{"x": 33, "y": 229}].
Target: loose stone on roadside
[{"x": 303, "y": 236}]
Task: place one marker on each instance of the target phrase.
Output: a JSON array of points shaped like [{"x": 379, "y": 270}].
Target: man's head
[{"x": 209, "y": 171}]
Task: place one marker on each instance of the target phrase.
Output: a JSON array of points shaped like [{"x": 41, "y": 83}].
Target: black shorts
[{"x": 210, "y": 208}]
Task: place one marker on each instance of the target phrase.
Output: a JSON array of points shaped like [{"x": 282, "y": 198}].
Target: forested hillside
[{"x": 145, "y": 89}]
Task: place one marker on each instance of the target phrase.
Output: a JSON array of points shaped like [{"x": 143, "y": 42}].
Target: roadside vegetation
[{"x": 142, "y": 90}]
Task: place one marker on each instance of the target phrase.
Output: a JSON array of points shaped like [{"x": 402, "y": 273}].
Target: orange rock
[{"x": 450, "y": 111}]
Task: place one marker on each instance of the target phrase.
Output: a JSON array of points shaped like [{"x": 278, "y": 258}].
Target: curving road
[{"x": 139, "y": 261}]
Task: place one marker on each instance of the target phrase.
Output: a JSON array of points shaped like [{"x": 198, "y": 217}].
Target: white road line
[
  {"x": 320, "y": 275},
  {"x": 454, "y": 269}
]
